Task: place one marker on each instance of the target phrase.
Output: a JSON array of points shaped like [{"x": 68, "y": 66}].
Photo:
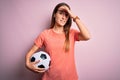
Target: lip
[{"x": 62, "y": 21}]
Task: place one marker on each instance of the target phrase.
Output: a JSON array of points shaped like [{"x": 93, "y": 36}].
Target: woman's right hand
[{"x": 32, "y": 67}]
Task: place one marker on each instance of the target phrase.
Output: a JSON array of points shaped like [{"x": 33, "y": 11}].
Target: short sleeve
[
  {"x": 76, "y": 34},
  {"x": 39, "y": 40}
]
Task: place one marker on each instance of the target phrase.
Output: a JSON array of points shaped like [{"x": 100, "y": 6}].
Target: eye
[
  {"x": 63, "y": 13},
  {"x": 66, "y": 14},
  {"x": 60, "y": 12}
]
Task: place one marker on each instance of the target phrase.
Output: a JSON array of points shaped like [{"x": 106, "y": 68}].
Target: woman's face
[{"x": 61, "y": 17}]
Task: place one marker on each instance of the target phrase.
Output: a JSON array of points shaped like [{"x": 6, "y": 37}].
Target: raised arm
[{"x": 84, "y": 33}]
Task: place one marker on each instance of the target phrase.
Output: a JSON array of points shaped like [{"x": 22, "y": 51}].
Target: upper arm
[
  {"x": 81, "y": 37},
  {"x": 31, "y": 51},
  {"x": 78, "y": 36},
  {"x": 39, "y": 40},
  {"x": 34, "y": 48}
]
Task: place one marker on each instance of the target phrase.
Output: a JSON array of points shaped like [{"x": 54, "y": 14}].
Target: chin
[{"x": 61, "y": 25}]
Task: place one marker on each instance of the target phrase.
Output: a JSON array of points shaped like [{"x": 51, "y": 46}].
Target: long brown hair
[{"x": 66, "y": 26}]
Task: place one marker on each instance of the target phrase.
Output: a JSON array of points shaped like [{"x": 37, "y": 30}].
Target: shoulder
[
  {"x": 73, "y": 30},
  {"x": 45, "y": 32}
]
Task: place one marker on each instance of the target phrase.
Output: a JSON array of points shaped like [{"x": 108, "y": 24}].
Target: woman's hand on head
[
  {"x": 68, "y": 11},
  {"x": 32, "y": 67}
]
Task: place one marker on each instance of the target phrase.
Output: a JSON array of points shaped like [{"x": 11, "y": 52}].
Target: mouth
[{"x": 63, "y": 21}]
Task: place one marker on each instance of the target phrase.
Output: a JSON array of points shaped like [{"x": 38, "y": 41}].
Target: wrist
[
  {"x": 27, "y": 62},
  {"x": 75, "y": 18}
]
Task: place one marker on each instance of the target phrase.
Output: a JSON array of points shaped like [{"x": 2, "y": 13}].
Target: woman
[{"x": 59, "y": 44}]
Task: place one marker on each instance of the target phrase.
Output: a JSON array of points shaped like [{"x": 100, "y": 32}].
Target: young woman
[{"x": 59, "y": 43}]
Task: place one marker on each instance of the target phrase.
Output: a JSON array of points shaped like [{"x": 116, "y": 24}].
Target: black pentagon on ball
[
  {"x": 32, "y": 59},
  {"x": 41, "y": 66},
  {"x": 43, "y": 56}
]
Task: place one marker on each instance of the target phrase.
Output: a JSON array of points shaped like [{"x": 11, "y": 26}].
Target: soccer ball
[{"x": 44, "y": 59}]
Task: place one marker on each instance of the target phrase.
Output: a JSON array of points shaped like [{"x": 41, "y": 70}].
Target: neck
[{"x": 58, "y": 29}]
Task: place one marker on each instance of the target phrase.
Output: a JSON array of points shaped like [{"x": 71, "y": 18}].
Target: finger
[
  {"x": 39, "y": 70},
  {"x": 63, "y": 9},
  {"x": 36, "y": 69},
  {"x": 36, "y": 62}
]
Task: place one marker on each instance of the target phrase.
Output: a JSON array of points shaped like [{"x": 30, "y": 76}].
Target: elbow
[
  {"x": 87, "y": 38},
  {"x": 84, "y": 37}
]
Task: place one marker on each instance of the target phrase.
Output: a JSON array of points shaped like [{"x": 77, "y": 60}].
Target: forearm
[
  {"x": 84, "y": 33},
  {"x": 29, "y": 54}
]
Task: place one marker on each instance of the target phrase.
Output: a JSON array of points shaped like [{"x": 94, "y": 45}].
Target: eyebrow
[{"x": 63, "y": 10}]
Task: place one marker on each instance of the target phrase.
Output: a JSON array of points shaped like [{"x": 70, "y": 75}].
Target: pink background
[{"x": 22, "y": 20}]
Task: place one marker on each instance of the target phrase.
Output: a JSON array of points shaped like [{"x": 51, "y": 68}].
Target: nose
[{"x": 63, "y": 16}]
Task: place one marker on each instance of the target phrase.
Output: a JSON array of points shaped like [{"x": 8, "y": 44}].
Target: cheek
[
  {"x": 66, "y": 19},
  {"x": 57, "y": 18}
]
